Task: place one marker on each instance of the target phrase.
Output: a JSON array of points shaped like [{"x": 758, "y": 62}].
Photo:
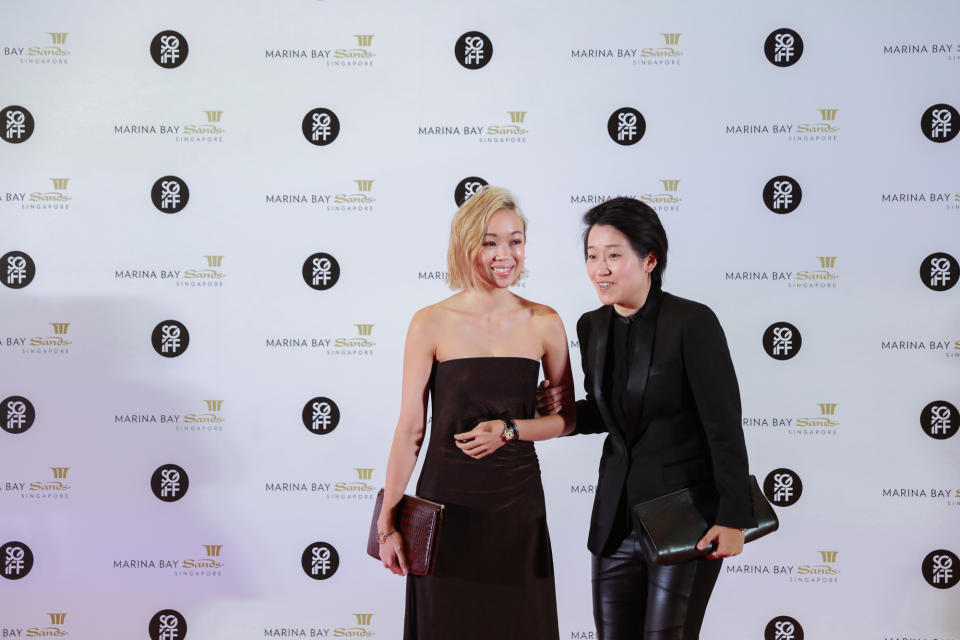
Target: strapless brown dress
[{"x": 494, "y": 575}]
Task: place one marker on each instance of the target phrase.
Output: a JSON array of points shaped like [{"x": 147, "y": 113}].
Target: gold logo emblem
[
  {"x": 364, "y": 618},
  {"x": 827, "y": 262},
  {"x": 671, "y": 38},
  {"x": 364, "y": 474},
  {"x": 60, "y": 184},
  {"x": 670, "y": 185},
  {"x": 827, "y": 409},
  {"x": 364, "y": 329},
  {"x": 214, "y": 405},
  {"x": 214, "y": 261},
  {"x": 828, "y": 114},
  {"x": 364, "y": 185},
  {"x": 828, "y": 556},
  {"x": 213, "y": 550},
  {"x": 213, "y": 116},
  {"x": 60, "y": 328},
  {"x": 59, "y": 473},
  {"x": 364, "y": 41},
  {"x": 57, "y": 618},
  {"x": 517, "y": 117},
  {"x": 59, "y": 38}
]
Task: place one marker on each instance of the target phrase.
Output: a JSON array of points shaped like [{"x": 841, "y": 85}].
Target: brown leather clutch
[{"x": 419, "y": 522}]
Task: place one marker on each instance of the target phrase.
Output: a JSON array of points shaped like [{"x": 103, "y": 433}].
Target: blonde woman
[{"x": 477, "y": 355}]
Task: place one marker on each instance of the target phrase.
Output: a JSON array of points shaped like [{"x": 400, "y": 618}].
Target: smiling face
[
  {"x": 620, "y": 276},
  {"x": 500, "y": 260}
]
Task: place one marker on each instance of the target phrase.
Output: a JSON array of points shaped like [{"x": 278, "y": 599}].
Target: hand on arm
[{"x": 417, "y": 364}]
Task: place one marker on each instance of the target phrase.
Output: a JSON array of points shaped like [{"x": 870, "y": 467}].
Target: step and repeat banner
[{"x": 216, "y": 221}]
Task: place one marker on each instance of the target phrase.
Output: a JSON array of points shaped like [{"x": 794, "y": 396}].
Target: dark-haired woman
[{"x": 659, "y": 381}]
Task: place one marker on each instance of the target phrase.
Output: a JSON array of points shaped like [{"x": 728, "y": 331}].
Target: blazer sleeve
[
  {"x": 716, "y": 394},
  {"x": 589, "y": 419}
]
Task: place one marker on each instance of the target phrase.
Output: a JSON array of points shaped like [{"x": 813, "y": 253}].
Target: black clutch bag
[
  {"x": 671, "y": 526},
  {"x": 418, "y": 521}
]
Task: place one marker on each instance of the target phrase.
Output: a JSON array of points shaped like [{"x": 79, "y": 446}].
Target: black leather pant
[{"x": 633, "y": 600}]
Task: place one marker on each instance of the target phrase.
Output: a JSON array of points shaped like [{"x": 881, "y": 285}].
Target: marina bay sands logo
[
  {"x": 16, "y": 124},
  {"x": 939, "y": 271},
  {"x": 626, "y": 126},
  {"x": 170, "y": 338},
  {"x": 782, "y": 341},
  {"x": 321, "y": 271},
  {"x": 939, "y": 420},
  {"x": 320, "y": 126},
  {"x": 169, "y": 482},
  {"x": 783, "y": 47},
  {"x": 16, "y": 560},
  {"x": 320, "y": 415},
  {"x": 16, "y": 414},
  {"x": 169, "y": 49},
  {"x": 170, "y": 194},
  {"x": 473, "y": 50},
  {"x": 782, "y": 487},
  {"x": 782, "y": 194},
  {"x": 783, "y": 628},
  {"x": 17, "y": 269},
  {"x": 320, "y": 560},
  {"x": 941, "y": 569},
  {"x": 466, "y": 188},
  {"x": 940, "y": 123},
  {"x": 168, "y": 624}
]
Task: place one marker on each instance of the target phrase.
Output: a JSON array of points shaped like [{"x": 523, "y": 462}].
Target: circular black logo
[
  {"x": 170, "y": 338},
  {"x": 17, "y": 269},
  {"x": 16, "y": 560},
  {"x": 167, "y": 625},
  {"x": 321, "y": 415},
  {"x": 940, "y": 122},
  {"x": 466, "y": 188},
  {"x": 626, "y": 126},
  {"x": 783, "y": 47},
  {"x": 939, "y": 419},
  {"x": 782, "y": 487},
  {"x": 782, "y": 194},
  {"x": 320, "y": 560},
  {"x": 169, "y": 482},
  {"x": 941, "y": 569},
  {"x": 16, "y": 124},
  {"x": 16, "y": 414},
  {"x": 170, "y": 194},
  {"x": 939, "y": 271},
  {"x": 783, "y": 628},
  {"x": 782, "y": 340},
  {"x": 321, "y": 271},
  {"x": 320, "y": 126},
  {"x": 473, "y": 50},
  {"x": 169, "y": 49}
]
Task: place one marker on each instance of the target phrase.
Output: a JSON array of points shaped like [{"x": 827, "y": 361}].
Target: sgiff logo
[
  {"x": 18, "y": 269},
  {"x": 16, "y": 127},
  {"x": 783, "y": 47},
  {"x": 783, "y": 628},
  {"x": 626, "y": 126},
  {"x": 473, "y": 50},
  {"x": 167, "y": 625},
  {"x": 782, "y": 487},
  {"x": 939, "y": 420},
  {"x": 782, "y": 341},
  {"x": 320, "y": 126},
  {"x": 320, "y": 415},
  {"x": 782, "y": 194},
  {"x": 169, "y": 482},
  {"x": 170, "y": 338},
  {"x": 321, "y": 271},
  {"x": 169, "y": 49},
  {"x": 170, "y": 194},
  {"x": 940, "y": 271},
  {"x": 320, "y": 560},
  {"x": 17, "y": 560},
  {"x": 17, "y": 414},
  {"x": 466, "y": 188},
  {"x": 939, "y": 123}
]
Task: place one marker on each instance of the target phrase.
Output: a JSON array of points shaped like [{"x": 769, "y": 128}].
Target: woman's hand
[
  {"x": 482, "y": 440},
  {"x": 391, "y": 554},
  {"x": 729, "y": 542},
  {"x": 549, "y": 399}
]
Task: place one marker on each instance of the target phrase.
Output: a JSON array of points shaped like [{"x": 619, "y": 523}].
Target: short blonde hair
[{"x": 467, "y": 230}]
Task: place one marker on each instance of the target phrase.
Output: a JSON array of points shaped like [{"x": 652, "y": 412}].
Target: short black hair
[{"x": 639, "y": 223}]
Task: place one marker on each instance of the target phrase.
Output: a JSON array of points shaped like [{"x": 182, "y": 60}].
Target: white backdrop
[{"x": 878, "y": 197}]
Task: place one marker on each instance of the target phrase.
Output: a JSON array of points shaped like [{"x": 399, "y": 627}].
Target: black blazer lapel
[
  {"x": 601, "y": 329},
  {"x": 640, "y": 363}
]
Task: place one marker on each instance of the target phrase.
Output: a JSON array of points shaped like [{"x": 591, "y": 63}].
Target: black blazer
[{"x": 688, "y": 403}]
